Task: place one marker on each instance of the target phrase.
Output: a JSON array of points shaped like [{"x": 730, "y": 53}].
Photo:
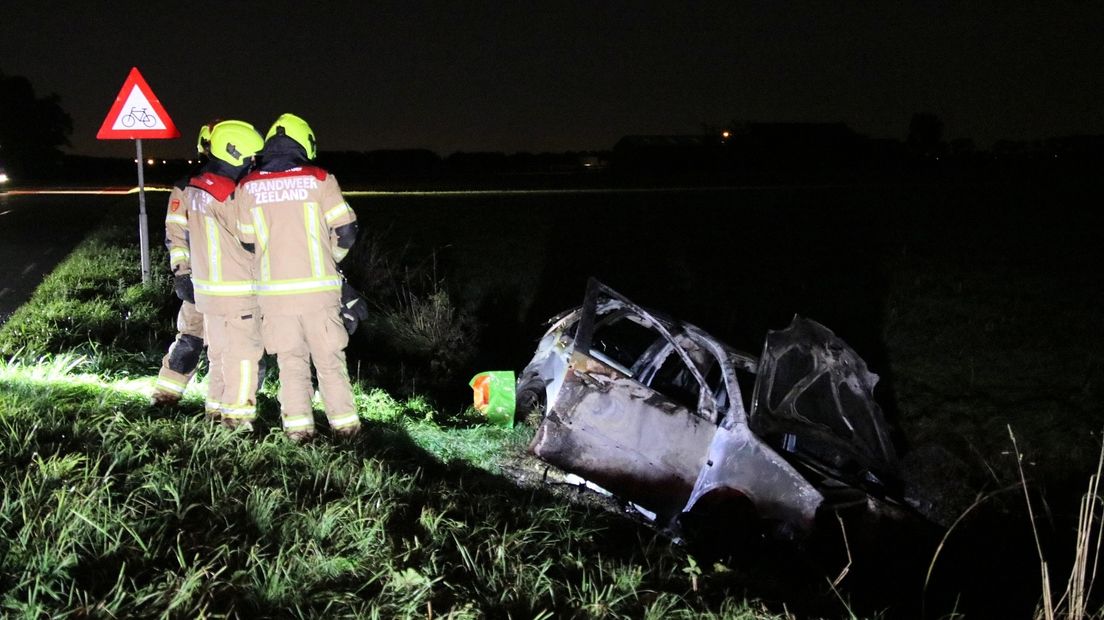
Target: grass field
[
  {"x": 977, "y": 305},
  {"x": 112, "y": 508}
]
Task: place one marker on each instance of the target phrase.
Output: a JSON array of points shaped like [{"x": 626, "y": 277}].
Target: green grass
[
  {"x": 94, "y": 302},
  {"x": 112, "y": 508},
  {"x": 1004, "y": 344}
]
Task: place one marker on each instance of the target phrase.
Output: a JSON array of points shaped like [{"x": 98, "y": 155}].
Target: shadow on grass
[{"x": 194, "y": 496}]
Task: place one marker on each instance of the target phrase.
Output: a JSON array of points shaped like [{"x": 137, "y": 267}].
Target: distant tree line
[{"x": 32, "y": 129}]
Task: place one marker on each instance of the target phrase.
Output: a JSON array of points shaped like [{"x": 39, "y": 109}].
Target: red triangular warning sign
[{"x": 136, "y": 113}]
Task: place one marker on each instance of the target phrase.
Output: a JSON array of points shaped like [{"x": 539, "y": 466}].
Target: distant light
[
  {"x": 164, "y": 162},
  {"x": 149, "y": 161},
  {"x": 189, "y": 162},
  {"x": 3, "y": 178},
  {"x": 135, "y": 160},
  {"x": 725, "y": 134}
]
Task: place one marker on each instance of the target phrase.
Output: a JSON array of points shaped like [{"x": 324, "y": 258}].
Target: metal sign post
[
  {"x": 143, "y": 221},
  {"x": 137, "y": 114}
]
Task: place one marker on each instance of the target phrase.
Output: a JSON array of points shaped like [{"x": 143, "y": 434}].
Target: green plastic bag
[{"x": 493, "y": 395}]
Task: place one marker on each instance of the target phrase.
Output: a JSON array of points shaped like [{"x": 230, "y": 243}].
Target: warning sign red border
[{"x": 135, "y": 79}]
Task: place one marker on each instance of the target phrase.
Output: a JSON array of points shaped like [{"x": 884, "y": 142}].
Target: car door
[{"x": 623, "y": 434}]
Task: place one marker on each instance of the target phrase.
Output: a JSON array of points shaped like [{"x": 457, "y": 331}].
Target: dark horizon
[{"x": 555, "y": 77}]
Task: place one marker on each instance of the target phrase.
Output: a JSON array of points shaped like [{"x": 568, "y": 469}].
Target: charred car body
[{"x": 661, "y": 414}]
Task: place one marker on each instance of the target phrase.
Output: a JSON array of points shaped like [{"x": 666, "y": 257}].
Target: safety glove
[
  {"x": 353, "y": 307},
  {"x": 183, "y": 287}
]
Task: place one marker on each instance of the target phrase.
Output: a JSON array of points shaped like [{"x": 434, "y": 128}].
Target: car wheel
[
  {"x": 723, "y": 523},
  {"x": 530, "y": 401}
]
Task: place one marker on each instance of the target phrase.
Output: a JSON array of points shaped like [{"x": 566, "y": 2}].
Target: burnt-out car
[{"x": 665, "y": 416}]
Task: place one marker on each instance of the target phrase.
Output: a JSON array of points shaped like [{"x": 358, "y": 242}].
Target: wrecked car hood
[{"x": 814, "y": 398}]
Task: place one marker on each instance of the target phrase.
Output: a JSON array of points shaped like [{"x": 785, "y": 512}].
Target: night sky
[{"x": 562, "y": 75}]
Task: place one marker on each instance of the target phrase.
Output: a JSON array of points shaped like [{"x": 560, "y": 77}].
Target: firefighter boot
[{"x": 179, "y": 364}]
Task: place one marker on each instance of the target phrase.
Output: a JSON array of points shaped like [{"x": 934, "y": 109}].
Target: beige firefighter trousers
[
  {"x": 189, "y": 322},
  {"x": 297, "y": 340},
  {"x": 234, "y": 352}
]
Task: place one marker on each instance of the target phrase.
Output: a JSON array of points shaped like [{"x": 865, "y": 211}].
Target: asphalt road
[{"x": 38, "y": 231}]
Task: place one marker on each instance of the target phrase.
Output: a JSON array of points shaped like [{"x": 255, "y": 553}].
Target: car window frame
[{"x": 588, "y": 320}]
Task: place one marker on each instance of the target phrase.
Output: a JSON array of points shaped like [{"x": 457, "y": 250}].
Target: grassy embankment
[{"x": 111, "y": 508}]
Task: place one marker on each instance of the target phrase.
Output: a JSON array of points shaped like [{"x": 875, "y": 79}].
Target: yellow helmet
[
  {"x": 297, "y": 129},
  {"x": 204, "y": 141},
  {"x": 234, "y": 142}
]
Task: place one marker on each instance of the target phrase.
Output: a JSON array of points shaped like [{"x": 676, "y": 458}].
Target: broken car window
[
  {"x": 621, "y": 340},
  {"x": 673, "y": 380}
]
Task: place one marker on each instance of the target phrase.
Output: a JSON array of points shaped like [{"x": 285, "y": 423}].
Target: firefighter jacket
[
  {"x": 201, "y": 234},
  {"x": 295, "y": 220},
  {"x": 176, "y": 231}
]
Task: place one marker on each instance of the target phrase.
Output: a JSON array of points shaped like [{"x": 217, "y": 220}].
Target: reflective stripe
[
  {"x": 173, "y": 218},
  {"x": 178, "y": 255},
  {"x": 336, "y": 212},
  {"x": 262, "y": 241},
  {"x": 246, "y": 380},
  {"x": 245, "y": 229},
  {"x": 214, "y": 261},
  {"x": 213, "y": 405},
  {"x": 314, "y": 244},
  {"x": 224, "y": 289},
  {"x": 300, "y": 421},
  {"x": 344, "y": 421},
  {"x": 305, "y": 291},
  {"x": 339, "y": 253},
  {"x": 164, "y": 383},
  {"x": 305, "y": 285},
  {"x": 239, "y": 413}
]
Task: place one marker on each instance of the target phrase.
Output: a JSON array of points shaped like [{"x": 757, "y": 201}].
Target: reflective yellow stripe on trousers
[
  {"x": 345, "y": 421},
  {"x": 304, "y": 421},
  {"x": 246, "y": 381},
  {"x": 168, "y": 385}
]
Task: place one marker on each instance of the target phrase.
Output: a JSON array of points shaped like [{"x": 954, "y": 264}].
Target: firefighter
[
  {"x": 294, "y": 217},
  {"x": 179, "y": 364},
  {"x": 211, "y": 264}
]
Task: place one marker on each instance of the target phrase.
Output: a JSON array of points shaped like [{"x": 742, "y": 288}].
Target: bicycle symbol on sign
[{"x": 139, "y": 115}]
